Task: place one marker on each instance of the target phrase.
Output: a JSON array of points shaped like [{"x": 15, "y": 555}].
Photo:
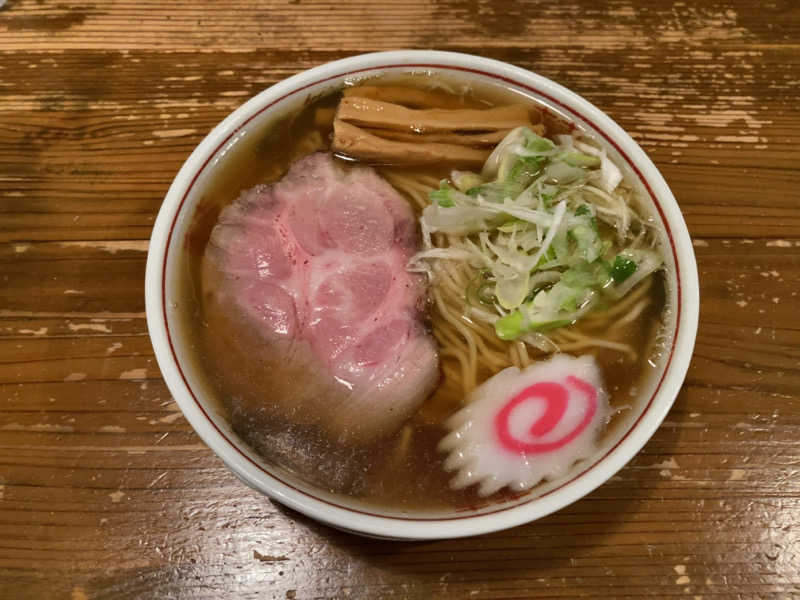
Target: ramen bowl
[{"x": 169, "y": 328}]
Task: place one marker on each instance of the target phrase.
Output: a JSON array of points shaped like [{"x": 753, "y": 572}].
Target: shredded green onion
[
  {"x": 622, "y": 268},
  {"x": 531, "y": 223}
]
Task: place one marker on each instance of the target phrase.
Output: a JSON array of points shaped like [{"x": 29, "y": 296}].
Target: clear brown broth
[{"x": 379, "y": 474}]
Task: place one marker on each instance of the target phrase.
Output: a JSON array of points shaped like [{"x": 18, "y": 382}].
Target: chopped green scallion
[{"x": 622, "y": 269}]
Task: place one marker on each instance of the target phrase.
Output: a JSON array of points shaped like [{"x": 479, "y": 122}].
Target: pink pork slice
[{"x": 316, "y": 264}]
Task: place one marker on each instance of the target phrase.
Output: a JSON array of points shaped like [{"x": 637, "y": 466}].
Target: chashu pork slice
[{"x": 316, "y": 320}]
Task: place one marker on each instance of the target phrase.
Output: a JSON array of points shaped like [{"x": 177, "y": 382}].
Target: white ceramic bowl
[{"x": 180, "y": 374}]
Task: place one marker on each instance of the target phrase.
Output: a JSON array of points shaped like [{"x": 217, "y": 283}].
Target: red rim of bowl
[{"x": 572, "y": 111}]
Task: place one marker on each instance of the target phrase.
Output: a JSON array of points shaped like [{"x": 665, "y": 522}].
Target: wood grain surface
[{"x": 106, "y": 492}]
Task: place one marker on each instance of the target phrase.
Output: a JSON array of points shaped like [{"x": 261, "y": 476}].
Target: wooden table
[{"x": 106, "y": 492}]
